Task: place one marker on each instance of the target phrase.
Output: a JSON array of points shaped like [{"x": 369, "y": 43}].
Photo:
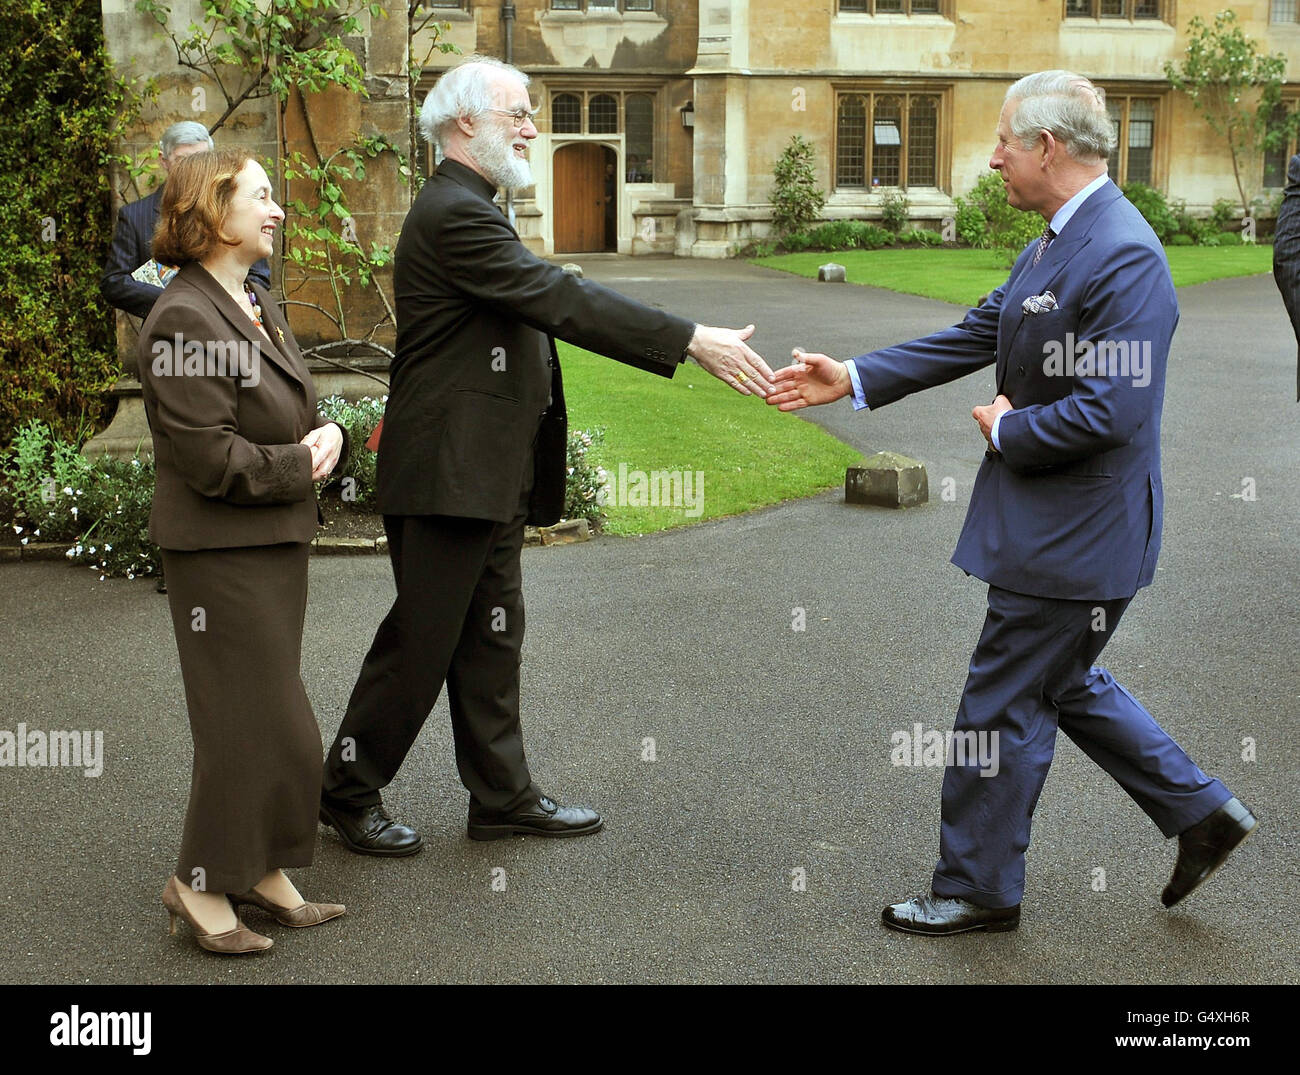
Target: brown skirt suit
[{"x": 234, "y": 510}]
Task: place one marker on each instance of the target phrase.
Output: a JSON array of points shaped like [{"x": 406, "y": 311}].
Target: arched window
[
  {"x": 566, "y": 114},
  {"x": 602, "y": 115}
]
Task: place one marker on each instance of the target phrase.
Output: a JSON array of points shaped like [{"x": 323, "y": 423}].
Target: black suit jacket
[
  {"x": 1286, "y": 252},
  {"x": 131, "y": 248},
  {"x": 476, "y": 381}
]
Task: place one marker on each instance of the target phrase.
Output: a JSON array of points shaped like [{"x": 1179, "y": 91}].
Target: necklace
[{"x": 257, "y": 309}]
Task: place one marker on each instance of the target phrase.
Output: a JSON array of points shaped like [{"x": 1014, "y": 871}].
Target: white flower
[
  {"x": 92, "y": 550},
  {"x": 23, "y": 542},
  {"x": 17, "y": 529},
  {"x": 67, "y": 489},
  {"x": 70, "y": 553},
  {"x": 36, "y": 532},
  {"x": 108, "y": 548},
  {"x": 75, "y": 509},
  {"x": 129, "y": 575}
]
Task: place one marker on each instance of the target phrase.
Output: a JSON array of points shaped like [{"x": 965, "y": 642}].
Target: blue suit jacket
[
  {"x": 1073, "y": 504},
  {"x": 131, "y": 248}
]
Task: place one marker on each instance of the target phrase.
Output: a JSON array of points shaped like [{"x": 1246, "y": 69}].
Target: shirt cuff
[
  {"x": 859, "y": 400},
  {"x": 993, "y": 433}
]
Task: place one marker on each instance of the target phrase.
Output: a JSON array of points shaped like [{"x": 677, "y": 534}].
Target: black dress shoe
[
  {"x": 1203, "y": 848},
  {"x": 941, "y": 915},
  {"x": 540, "y": 818},
  {"x": 368, "y": 830}
]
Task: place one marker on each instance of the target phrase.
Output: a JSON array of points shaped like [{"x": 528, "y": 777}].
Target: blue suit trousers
[{"x": 1032, "y": 671}]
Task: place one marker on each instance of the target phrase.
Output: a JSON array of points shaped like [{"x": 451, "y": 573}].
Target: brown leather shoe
[
  {"x": 544, "y": 817},
  {"x": 1204, "y": 847},
  {"x": 305, "y": 914},
  {"x": 233, "y": 942},
  {"x": 941, "y": 915}
]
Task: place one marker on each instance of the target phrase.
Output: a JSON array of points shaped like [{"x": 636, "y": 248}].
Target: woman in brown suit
[{"x": 238, "y": 444}]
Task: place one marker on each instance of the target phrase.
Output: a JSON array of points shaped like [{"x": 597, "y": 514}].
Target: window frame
[
  {"x": 1290, "y": 102},
  {"x": 1165, "y": 13},
  {"x": 942, "y": 136},
  {"x": 1117, "y": 166},
  {"x": 585, "y": 7},
  {"x": 943, "y": 10}
]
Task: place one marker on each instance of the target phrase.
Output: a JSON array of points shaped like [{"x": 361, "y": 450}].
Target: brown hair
[{"x": 195, "y": 202}]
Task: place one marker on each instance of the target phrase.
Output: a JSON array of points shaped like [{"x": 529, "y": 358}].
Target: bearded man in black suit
[{"x": 473, "y": 447}]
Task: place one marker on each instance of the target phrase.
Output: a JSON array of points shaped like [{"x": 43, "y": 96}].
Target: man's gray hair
[
  {"x": 1067, "y": 105},
  {"x": 466, "y": 91},
  {"x": 185, "y": 133}
]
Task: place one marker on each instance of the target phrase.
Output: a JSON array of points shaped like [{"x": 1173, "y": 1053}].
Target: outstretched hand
[
  {"x": 813, "y": 379},
  {"x": 724, "y": 353}
]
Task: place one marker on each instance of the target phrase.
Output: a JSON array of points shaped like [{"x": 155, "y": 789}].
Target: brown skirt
[{"x": 255, "y": 788}]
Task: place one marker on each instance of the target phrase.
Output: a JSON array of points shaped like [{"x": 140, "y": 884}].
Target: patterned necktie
[{"x": 1044, "y": 241}]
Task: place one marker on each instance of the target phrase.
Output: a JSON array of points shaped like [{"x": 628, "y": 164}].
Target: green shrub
[
  {"x": 101, "y": 507},
  {"x": 835, "y": 235},
  {"x": 1005, "y": 226},
  {"x": 920, "y": 237},
  {"x": 587, "y": 485},
  {"x": 1200, "y": 231},
  {"x": 1222, "y": 215},
  {"x": 1229, "y": 238},
  {"x": 971, "y": 223},
  {"x": 359, "y": 418},
  {"x": 1181, "y": 239},
  {"x": 1152, "y": 205},
  {"x": 893, "y": 211},
  {"x": 796, "y": 199},
  {"x": 64, "y": 106}
]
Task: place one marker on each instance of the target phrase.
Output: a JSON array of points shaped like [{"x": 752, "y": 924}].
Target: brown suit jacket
[{"x": 227, "y": 409}]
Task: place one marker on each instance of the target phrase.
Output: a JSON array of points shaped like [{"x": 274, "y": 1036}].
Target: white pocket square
[{"x": 1037, "y": 304}]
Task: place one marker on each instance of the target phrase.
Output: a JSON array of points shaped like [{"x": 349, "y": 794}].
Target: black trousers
[{"x": 459, "y": 619}]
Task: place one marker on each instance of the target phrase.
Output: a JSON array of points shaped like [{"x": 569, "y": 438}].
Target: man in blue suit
[
  {"x": 133, "y": 237},
  {"x": 1065, "y": 515}
]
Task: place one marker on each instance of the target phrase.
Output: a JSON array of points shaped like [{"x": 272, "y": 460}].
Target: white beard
[{"x": 501, "y": 166}]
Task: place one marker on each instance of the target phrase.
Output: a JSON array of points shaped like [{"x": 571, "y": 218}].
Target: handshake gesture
[
  {"x": 811, "y": 380},
  {"x": 814, "y": 379}
]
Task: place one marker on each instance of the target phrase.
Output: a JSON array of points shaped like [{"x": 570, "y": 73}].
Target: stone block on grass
[
  {"x": 887, "y": 479},
  {"x": 831, "y": 273}
]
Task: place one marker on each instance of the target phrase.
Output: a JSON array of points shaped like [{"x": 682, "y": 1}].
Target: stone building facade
[{"x": 661, "y": 120}]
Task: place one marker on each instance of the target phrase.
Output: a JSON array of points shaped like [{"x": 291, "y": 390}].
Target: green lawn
[
  {"x": 751, "y": 455},
  {"x": 961, "y": 275}
]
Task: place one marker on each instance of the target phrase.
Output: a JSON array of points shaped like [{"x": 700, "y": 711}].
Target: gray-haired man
[{"x": 133, "y": 238}]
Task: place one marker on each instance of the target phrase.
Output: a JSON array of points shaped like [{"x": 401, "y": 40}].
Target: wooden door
[{"x": 579, "y": 198}]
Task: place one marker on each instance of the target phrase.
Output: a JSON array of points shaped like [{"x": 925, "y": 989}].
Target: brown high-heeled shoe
[
  {"x": 305, "y": 914},
  {"x": 233, "y": 942}
]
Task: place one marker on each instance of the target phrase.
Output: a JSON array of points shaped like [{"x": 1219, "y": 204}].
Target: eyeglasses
[{"x": 518, "y": 116}]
